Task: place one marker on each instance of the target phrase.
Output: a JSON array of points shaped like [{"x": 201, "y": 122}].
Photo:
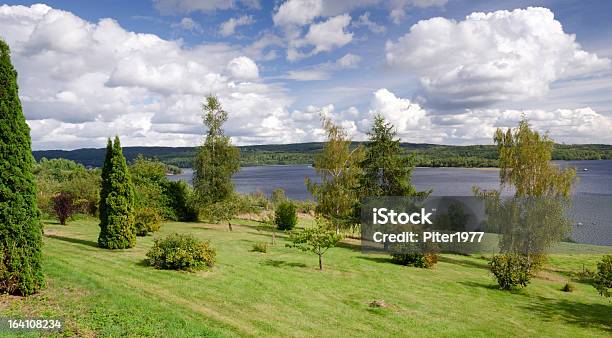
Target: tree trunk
[
  {"x": 229, "y": 223},
  {"x": 273, "y": 237},
  {"x": 320, "y": 263}
]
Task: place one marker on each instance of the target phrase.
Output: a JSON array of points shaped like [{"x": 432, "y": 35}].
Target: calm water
[
  {"x": 592, "y": 212},
  {"x": 443, "y": 181}
]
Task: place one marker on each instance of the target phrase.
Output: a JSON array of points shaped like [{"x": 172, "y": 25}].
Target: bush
[
  {"x": 418, "y": 260},
  {"x": 512, "y": 270},
  {"x": 603, "y": 278},
  {"x": 147, "y": 220},
  {"x": 568, "y": 287},
  {"x": 63, "y": 206},
  {"x": 181, "y": 252},
  {"x": 260, "y": 247},
  {"x": 285, "y": 216},
  {"x": 278, "y": 196}
]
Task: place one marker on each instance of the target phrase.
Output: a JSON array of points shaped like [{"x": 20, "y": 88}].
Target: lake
[
  {"x": 444, "y": 181},
  {"x": 592, "y": 211}
]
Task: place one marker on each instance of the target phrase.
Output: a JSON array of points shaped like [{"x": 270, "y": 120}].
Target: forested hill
[{"x": 426, "y": 155}]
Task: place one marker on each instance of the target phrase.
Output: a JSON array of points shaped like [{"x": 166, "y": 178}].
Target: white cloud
[
  {"x": 364, "y": 21},
  {"x": 188, "y": 24},
  {"x": 297, "y": 12},
  {"x": 96, "y": 80},
  {"x": 348, "y": 61},
  {"x": 167, "y": 7},
  {"x": 308, "y": 75},
  {"x": 243, "y": 68},
  {"x": 409, "y": 118},
  {"x": 228, "y": 27},
  {"x": 486, "y": 58},
  {"x": 323, "y": 71},
  {"x": 322, "y": 37}
]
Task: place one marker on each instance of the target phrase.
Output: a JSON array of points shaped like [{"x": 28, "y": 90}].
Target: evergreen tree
[
  {"x": 215, "y": 164},
  {"x": 116, "y": 201},
  {"x": 20, "y": 228},
  {"x": 386, "y": 170}
]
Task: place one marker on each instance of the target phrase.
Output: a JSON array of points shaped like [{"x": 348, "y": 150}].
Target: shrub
[
  {"x": 512, "y": 270},
  {"x": 63, "y": 206},
  {"x": 181, "y": 252},
  {"x": 260, "y": 247},
  {"x": 285, "y": 216},
  {"x": 418, "y": 260},
  {"x": 603, "y": 278},
  {"x": 568, "y": 287},
  {"x": 147, "y": 220}
]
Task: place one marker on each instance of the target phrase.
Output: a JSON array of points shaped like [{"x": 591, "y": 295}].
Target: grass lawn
[{"x": 281, "y": 293}]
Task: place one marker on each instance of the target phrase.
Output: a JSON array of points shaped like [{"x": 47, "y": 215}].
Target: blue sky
[{"x": 443, "y": 71}]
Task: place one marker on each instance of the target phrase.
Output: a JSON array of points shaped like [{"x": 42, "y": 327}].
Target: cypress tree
[
  {"x": 20, "y": 228},
  {"x": 116, "y": 201}
]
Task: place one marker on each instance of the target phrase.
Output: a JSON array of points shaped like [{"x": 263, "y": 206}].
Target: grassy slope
[{"x": 281, "y": 292}]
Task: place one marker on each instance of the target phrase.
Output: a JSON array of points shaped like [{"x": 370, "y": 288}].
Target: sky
[{"x": 442, "y": 71}]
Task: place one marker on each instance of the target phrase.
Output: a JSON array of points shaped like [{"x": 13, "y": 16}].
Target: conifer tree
[
  {"x": 116, "y": 201},
  {"x": 20, "y": 227},
  {"x": 386, "y": 170}
]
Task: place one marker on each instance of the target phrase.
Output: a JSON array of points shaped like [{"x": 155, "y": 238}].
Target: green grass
[{"x": 281, "y": 293}]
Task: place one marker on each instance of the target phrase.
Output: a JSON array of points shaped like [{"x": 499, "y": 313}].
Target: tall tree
[
  {"x": 535, "y": 218},
  {"x": 116, "y": 201},
  {"x": 20, "y": 227},
  {"x": 338, "y": 168},
  {"x": 386, "y": 169},
  {"x": 215, "y": 164}
]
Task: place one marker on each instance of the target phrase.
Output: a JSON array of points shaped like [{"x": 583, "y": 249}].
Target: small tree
[
  {"x": 20, "y": 227},
  {"x": 222, "y": 211},
  {"x": 603, "y": 278},
  {"x": 285, "y": 216},
  {"x": 64, "y": 206},
  {"x": 316, "y": 240},
  {"x": 116, "y": 201},
  {"x": 278, "y": 196}
]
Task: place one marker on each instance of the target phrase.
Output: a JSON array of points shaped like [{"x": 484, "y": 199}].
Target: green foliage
[
  {"x": 149, "y": 179},
  {"x": 455, "y": 218},
  {"x": 116, "y": 201},
  {"x": 512, "y": 270},
  {"x": 217, "y": 160},
  {"x": 278, "y": 196},
  {"x": 260, "y": 247},
  {"x": 222, "y": 211},
  {"x": 568, "y": 287},
  {"x": 338, "y": 168},
  {"x": 20, "y": 228},
  {"x": 285, "y": 216},
  {"x": 60, "y": 176},
  {"x": 181, "y": 252},
  {"x": 602, "y": 280},
  {"x": 386, "y": 171},
  {"x": 317, "y": 239},
  {"x": 524, "y": 162},
  {"x": 147, "y": 220},
  {"x": 180, "y": 200},
  {"x": 416, "y": 259}
]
